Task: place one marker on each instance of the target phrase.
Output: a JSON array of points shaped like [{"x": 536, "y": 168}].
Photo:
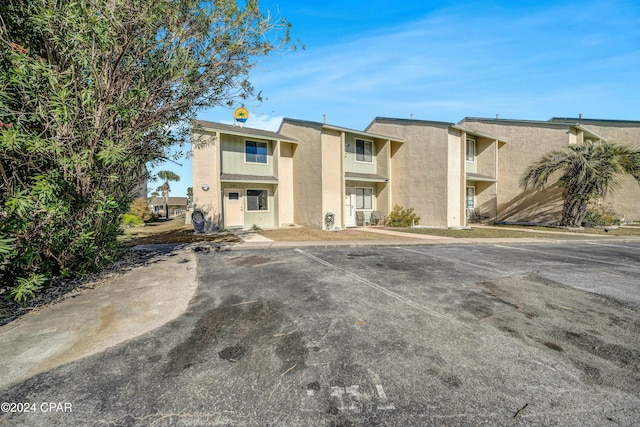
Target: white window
[
  {"x": 255, "y": 152},
  {"x": 471, "y": 150},
  {"x": 471, "y": 197},
  {"x": 364, "y": 198},
  {"x": 257, "y": 200},
  {"x": 364, "y": 151}
]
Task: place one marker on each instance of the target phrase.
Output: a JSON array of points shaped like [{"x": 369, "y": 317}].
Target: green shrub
[
  {"x": 599, "y": 215},
  {"x": 400, "y": 217},
  {"x": 140, "y": 208},
  {"x": 26, "y": 288},
  {"x": 130, "y": 220}
]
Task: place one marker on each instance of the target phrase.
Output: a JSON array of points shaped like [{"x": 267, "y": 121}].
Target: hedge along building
[
  {"x": 446, "y": 172},
  {"x": 529, "y": 140},
  {"x": 242, "y": 177}
]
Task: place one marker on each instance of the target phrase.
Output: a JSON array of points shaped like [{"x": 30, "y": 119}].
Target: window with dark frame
[
  {"x": 471, "y": 197},
  {"x": 364, "y": 198},
  {"x": 364, "y": 151},
  {"x": 255, "y": 152},
  {"x": 257, "y": 200},
  {"x": 471, "y": 150}
]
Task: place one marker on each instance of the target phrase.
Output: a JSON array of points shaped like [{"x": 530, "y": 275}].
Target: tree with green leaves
[
  {"x": 587, "y": 171},
  {"x": 92, "y": 91},
  {"x": 167, "y": 176}
]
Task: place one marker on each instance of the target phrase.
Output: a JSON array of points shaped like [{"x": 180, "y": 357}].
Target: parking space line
[
  {"x": 580, "y": 258},
  {"x": 457, "y": 261},
  {"x": 379, "y": 288},
  {"x": 635, "y": 248}
]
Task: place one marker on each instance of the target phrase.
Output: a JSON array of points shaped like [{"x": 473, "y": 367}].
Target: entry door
[
  {"x": 350, "y": 207},
  {"x": 233, "y": 207}
]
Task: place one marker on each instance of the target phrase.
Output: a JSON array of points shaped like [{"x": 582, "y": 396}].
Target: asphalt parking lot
[{"x": 496, "y": 334}]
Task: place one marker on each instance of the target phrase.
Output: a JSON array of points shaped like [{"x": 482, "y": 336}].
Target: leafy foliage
[
  {"x": 598, "y": 214},
  {"x": 91, "y": 92},
  {"x": 27, "y": 287},
  {"x": 140, "y": 209},
  {"x": 587, "y": 171},
  {"x": 131, "y": 220},
  {"x": 400, "y": 217}
]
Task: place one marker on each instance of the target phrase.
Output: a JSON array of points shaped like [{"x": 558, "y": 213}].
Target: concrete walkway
[
  {"x": 91, "y": 320},
  {"x": 253, "y": 240}
]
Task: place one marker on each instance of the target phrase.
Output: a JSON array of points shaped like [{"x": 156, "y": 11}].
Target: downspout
[
  {"x": 343, "y": 184},
  {"x": 495, "y": 199},
  {"x": 463, "y": 193}
]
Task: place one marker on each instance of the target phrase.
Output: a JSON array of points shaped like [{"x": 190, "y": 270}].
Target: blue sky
[{"x": 444, "y": 61}]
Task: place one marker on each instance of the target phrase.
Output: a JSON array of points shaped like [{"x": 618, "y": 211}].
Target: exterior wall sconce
[{"x": 205, "y": 187}]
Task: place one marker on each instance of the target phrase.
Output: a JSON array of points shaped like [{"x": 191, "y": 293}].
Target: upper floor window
[
  {"x": 471, "y": 150},
  {"x": 255, "y": 152},
  {"x": 364, "y": 151}
]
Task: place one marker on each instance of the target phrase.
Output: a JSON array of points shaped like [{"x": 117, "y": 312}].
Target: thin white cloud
[{"x": 451, "y": 61}]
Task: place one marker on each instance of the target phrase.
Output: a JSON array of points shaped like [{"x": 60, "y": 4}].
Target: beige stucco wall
[
  {"x": 332, "y": 176},
  {"x": 419, "y": 168},
  {"x": 528, "y": 142},
  {"x": 307, "y": 170},
  {"x": 625, "y": 200},
  {"x": 205, "y": 170},
  {"x": 486, "y": 156},
  {"x": 383, "y": 189},
  {"x": 284, "y": 192},
  {"x": 455, "y": 178},
  {"x": 486, "y": 195}
]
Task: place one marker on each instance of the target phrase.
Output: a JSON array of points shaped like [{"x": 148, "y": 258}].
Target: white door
[
  {"x": 350, "y": 207},
  {"x": 233, "y": 207}
]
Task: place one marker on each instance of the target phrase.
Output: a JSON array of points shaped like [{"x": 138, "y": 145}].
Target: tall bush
[
  {"x": 91, "y": 91},
  {"x": 400, "y": 217}
]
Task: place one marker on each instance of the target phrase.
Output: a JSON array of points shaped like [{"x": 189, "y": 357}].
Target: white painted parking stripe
[
  {"x": 564, "y": 256},
  {"x": 635, "y": 248},
  {"x": 379, "y": 288},
  {"x": 456, "y": 261},
  {"x": 510, "y": 247}
]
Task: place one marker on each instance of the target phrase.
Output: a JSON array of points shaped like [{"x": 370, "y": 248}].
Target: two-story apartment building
[
  {"x": 529, "y": 140},
  {"x": 446, "y": 172},
  {"x": 340, "y": 171},
  {"x": 451, "y": 174},
  {"x": 242, "y": 177}
]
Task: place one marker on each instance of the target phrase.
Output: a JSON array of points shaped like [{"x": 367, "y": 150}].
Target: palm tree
[
  {"x": 167, "y": 176},
  {"x": 588, "y": 171}
]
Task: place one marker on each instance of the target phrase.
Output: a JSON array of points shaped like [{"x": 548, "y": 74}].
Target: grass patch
[
  {"x": 627, "y": 230},
  {"x": 173, "y": 230},
  {"x": 301, "y": 234},
  {"x": 474, "y": 233}
]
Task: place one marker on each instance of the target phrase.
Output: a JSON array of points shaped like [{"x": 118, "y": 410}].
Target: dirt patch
[
  {"x": 298, "y": 234},
  {"x": 171, "y": 231},
  {"x": 181, "y": 236},
  {"x": 596, "y": 334}
]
